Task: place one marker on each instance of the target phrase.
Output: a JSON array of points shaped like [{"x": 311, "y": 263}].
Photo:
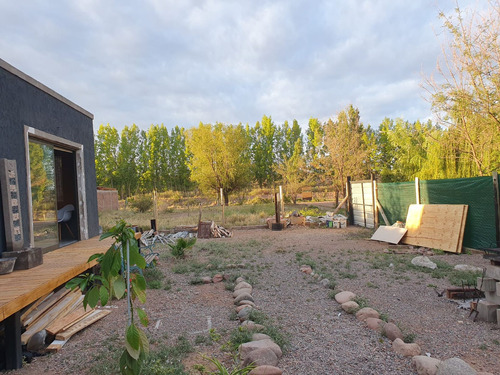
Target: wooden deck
[{"x": 20, "y": 288}]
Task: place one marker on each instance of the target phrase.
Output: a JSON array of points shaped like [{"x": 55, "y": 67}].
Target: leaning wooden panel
[{"x": 437, "y": 226}]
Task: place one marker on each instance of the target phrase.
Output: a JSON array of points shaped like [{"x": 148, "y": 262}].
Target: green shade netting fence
[{"x": 477, "y": 192}]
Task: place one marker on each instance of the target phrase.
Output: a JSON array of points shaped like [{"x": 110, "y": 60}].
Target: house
[{"x": 51, "y": 141}]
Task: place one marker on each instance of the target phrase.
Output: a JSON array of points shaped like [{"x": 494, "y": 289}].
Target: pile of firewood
[
  {"x": 58, "y": 316},
  {"x": 219, "y": 231}
]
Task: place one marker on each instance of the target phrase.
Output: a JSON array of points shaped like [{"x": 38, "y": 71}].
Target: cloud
[{"x": 182, "y": 62}]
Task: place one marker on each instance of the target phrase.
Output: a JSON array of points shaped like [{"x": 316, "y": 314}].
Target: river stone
[
  {"x": 344, "y": 297},
  {"x": 217, "y": 278},
  {"x": 243, "y": 297},
  {"x": 350, "y": 307},
  {"x": 236, "y": 293},
  {"x": 367, "y": 312},
  {"x": 239, "y": 280},
  {"x": 306, "y": 269},
  {"x": 242, "y": 285},
  {"x": 266, "y": 370},
  {"x": 248, "y": 347},
  {"x": 252, "y": 326},
  {"x": 246, "y": 302},
  {"x": 423, "y": 261},
  {"x": 325, "y": 282},
  {"x": 37, "y": 342},
  {"x": 392, "y": 331},
  {"x": 206, "y": 279},
  {"x": 260, "y": 336},
  {"x": 466, "y": 267},
  {"x": 375, "y": 324},
  {"x": 241, "y": 307},
  {"x": 426, "y": 365},
  {"x": 408, "y": 350},
  {"x": 455, "y": 366},
  {"x": 244, "y": 313},
  {"x": 260, "y": 357}
]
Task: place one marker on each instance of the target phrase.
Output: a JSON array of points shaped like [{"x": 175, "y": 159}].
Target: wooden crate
[{"x": 204, "y": 229}]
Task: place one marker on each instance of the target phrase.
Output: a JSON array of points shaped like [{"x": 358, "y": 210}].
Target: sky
[{"x": 182, "y": 62}]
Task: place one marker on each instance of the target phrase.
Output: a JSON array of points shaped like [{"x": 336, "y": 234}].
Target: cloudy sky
[{"x": 179, "y": 62}]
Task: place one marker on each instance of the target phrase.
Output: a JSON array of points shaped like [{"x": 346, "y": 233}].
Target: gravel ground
[{"x": 323, "y": 339}]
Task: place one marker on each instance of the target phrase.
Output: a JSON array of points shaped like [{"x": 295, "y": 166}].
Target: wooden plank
[
  {"x": 92, "y": 318},
  {"x": 45, "y": 305},
  {"x": 71, "y": 317},
  {"x": 389, "y": 234},
  {"x": 35, "y": 304},
  {"x": 56, "y": 311},
  {"x": 437, "y": 226},
  {"x": 379, "y": 206},
  {"x": 21, "y": 288},
  {"x": 55, "y": 346}
]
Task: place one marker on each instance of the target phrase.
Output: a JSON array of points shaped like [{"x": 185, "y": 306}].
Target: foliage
[
  {"x": 142, "y": 203},
  {"x": 178, "y": 249},
  {"x": 223, "y": 370},
  {"x": 117, "y": 259}
]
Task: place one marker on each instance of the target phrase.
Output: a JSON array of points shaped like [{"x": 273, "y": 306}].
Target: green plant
[
  {"x": 223, "y": 370},
  {"x": 361, "y": 301},
  {"x": 409, "y": 338},
  {"x": 214, "y": 336},
  {"x": 178, "y": 249},
  {"x": 142, "y": 203},
  {"x": 121, "y": 255},
  {"x": 238, "y": 336}
]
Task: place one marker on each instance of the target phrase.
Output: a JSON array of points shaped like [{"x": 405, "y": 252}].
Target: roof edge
[{"x": 6, "y": 66}]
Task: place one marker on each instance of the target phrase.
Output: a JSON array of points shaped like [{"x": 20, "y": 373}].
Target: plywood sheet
[
  {"x": 389, "y": 234},
  {"x": 437, "y": 226}
]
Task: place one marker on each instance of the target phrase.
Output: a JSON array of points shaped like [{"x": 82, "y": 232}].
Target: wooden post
[
  {"x": 199, "y": 217},
  {"x": 222, "y": 203},
  {"x": 13, "y": 349},
  {"x": 417, "y": 190},
  {"x": 363, "y": 202},
  {"x": 282, "y": 202},
  {"x": 350, "y": 213},
  {"x": 276, "y": 210},
  {"x": 155, "y": 207},
  {"x": 374, "y": 201},
  {"x": 497, "y": 207}
]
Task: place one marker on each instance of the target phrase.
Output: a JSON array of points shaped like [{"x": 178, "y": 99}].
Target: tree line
[{"x": 463, "y": 142}]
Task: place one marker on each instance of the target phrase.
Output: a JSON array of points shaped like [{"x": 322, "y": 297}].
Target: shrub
[
  {"x": 142, "y": 203},
  {"x": 178, "y": 249}
]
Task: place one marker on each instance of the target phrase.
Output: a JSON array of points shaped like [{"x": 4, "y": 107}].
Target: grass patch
[
  {"x": 154, "y": 278},
  {"x": 168, "y": 360}
]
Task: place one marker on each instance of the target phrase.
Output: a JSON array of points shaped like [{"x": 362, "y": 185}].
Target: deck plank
[{"x": 20, "y": 288}]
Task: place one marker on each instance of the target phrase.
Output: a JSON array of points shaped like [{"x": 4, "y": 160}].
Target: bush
[
  {"x": 178, "y": 250},
  {"x": 142, "y": 203}
]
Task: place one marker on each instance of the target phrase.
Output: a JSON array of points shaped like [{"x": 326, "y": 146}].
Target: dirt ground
[{"x": 322, "y": 339}]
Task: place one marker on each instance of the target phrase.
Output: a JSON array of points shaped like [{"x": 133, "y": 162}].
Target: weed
[
  {"x": 202, "y": 340},
  {"x": 196, "y": 281},
  {"x": 347, "y": 275},
  {"x": 178, "y": 249},
  {"x": 361, "y": 301},
  {"x": 369, "y": 284},
  {"x": 154, "y": 278},
  {"x": 332, "y": 293},
  {"x": 238, "y": 336},
  {"x": 214, "y": 336},
  {"x": 483, "y": 347},
  {"x": 409, "y": 338},
  {"x": 496, "y": 342},
  {"x": 223, "y": 370},
  {"x": 384, "y": 317},
  {"x": 168, "y": 360}
]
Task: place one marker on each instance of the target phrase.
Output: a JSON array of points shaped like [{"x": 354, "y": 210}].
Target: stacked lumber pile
[
  {"x": 60, "y": 315},
  {"x": 218, "y": 231}
]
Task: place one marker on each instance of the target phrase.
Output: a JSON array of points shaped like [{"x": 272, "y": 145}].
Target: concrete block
[
  {"x": 26, "y": 259},
  {"x": 493, "y": 272},
  {"x": 487, "y": 311},
  {"x": 492, "y": 297},
  {"x": 498, "y": 288},
  {"x": 486, "y": 284}
]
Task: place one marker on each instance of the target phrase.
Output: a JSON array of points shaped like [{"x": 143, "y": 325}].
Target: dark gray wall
[{"x": 21, "y": 103}]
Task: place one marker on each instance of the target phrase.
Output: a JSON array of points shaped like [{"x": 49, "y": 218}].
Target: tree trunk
[{"x": 226, "y": 198}]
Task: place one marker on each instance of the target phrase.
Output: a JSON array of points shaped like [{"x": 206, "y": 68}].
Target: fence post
[
  {"x": 417, "y": 190},
  {"x": 350, "y": 214},
  {"x": 374, "y": 202},
  {"x": 497, "y": 207}
]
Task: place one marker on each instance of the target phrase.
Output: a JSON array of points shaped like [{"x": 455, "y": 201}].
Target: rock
[
  {"x": 217, "y": 278},
  {"x": 252, "y": 326},
  {"x": 306, "y": 269},
  {"x": 246, "y": 302},
  {"x": 392, "y": 331},
  {"x": 260, "y": 336},
  {"x": 344, "y": 297},
  {"x": 241, "y": 265},
  {"x": 350, "y": 307},
  {"x": 236, "y": 293},
  {"x": 466, "y": 267},
  {"x": 367, "y": 312},
  {"x": 37, "y": 341},
  {"x": 206, "y": 279},
  {"x": 260, "y": 357},
  {"x": 375, "y": 324},
  {"x": 243, "y": 314},
  {"x": 455, "y": 366},
  {"x": 242, "y": 285},
  {"x": 226, "y": 276},
  {"x": 239, "y": 280},
  {"x": 239, "y": 308},
  {"x": 408, "y": 350},
  {"x": 243, "y": 297},
  {"x": 248, "y": 347},
  {"x": 425, "y": 365},
  {"x": 266, "y": 370},
  {"x": 325, "y": 283},
  {"x": 423, "y": 261}
]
